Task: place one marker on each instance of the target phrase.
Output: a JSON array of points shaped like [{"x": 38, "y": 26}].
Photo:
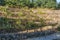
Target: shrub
[
  {"x": 29, "y": 3},
  {"x": 3, "y": 9},
  {"x": 21, "y": 24},
  {"x": 58, "y": 28}
]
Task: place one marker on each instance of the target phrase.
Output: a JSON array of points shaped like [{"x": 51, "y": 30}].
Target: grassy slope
[{"x": 26, "y": 18}]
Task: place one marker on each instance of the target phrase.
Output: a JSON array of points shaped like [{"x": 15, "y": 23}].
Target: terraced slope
[{"x": 20, "y": 18}]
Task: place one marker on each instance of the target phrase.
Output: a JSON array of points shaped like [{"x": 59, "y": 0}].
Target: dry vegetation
[{"x": 27, "y": 18}]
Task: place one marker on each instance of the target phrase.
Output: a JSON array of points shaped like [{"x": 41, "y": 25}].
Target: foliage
[
  {"x": 58, "y": 28},
  {"x": 3, "y": 9},
  {"x": 2, "y": 2},
  {"x": 30, "y": 3},
  {"x": 20, "y": 24},
  {"x": 58, "y": 6}
]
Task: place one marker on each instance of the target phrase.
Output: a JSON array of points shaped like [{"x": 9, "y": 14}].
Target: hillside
[{"x": 19, "y": 19}]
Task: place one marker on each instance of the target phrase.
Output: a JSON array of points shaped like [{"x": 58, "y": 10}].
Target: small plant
[
  {"x": 58, "y": 28},
  {"x": 3, "y": 8},
  {"x": 20, "y": 14}
]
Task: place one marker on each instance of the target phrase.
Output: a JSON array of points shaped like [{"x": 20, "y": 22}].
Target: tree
[
  {"x": 51, "y": 4},
  {"x": 58, "y": 6},
  {"x": 30, "y": 3},
  {"x": 2, "y": 2}
]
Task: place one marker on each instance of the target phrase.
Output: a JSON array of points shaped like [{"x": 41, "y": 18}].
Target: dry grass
[{"x": 34, "y": 15}]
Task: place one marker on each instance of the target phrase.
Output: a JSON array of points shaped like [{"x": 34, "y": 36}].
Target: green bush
[
  {"x": 20, "y": 24},
  {"x": 3, "y": 9},
  {"x": 2, "y": 2},
  {"x": 58, "y": 28},
  {"x": 30, "y": 3}
]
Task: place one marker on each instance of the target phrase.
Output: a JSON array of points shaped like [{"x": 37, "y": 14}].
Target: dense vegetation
[
  {"x": 30, "y": 3},
  {"x": 10, "y": 10},
  {"x": 20, "y": 20},
  {"x": 19, "y": 24}
]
